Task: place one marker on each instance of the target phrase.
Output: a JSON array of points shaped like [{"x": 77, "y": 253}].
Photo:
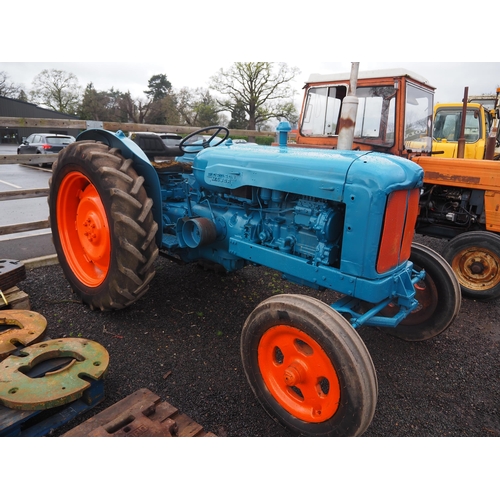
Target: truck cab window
[
  {"x": 418, "y": 118},
  {"x": 376, "y": 115},
  {"x": 323, "y": 110},
  {"x": 447, "y": 125}
]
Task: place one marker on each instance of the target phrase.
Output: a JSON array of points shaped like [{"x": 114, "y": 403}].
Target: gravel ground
[{"x": 181, "y": 340}]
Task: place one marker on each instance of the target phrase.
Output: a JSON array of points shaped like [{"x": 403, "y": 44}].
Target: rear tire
[
  {"x": 102, "y": 225},
  {"x": 308, "y": 367},
  {"x": 475, "y": 259}
]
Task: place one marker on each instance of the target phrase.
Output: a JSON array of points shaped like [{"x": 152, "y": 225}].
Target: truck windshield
[
  {"x": 374, "y": 120},
  {"x": 323, "y": 111},
  {"x": 448, "y": 121},
  {"x": 418, "y": 118}
]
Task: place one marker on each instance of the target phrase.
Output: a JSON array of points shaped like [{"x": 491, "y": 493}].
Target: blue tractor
[{"x": 328, "y": 219}]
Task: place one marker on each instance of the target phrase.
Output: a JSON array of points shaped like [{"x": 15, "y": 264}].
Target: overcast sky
[
  {"x": 191, "y": 42},
  {"x": 449, "y": 78}
]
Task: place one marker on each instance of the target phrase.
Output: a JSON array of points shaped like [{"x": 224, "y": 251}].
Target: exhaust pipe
[
  {"x": 347, "y": 120},
  {"x": 461, "y": 140}
]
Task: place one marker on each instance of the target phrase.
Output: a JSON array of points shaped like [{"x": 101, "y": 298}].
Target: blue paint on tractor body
[{"x": 315, "y": 215}]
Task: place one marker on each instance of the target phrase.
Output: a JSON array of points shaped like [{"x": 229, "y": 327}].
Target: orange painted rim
[
  {"x": 83, "y": 229},
  {"x": 299, "y": 374}
]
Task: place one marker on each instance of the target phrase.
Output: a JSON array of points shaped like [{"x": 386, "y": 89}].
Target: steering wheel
[{"x": 205, "y": 143}]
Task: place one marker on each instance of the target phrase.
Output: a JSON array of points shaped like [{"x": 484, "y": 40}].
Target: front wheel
[
  {"x": 102, "y": 225},
  {"x": 438, "y": 296},
  {"x": 475, "y": 259},
  {"x": 308, "y": 367}
]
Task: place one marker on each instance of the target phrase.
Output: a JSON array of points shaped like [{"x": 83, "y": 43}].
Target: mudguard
[{"x": 130, "y": 150}]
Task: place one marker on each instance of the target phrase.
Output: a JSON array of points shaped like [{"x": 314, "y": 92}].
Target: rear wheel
[
  {"x": 475, "y": 258},
  {"x": 308, "y": 367},
  {"x": 42, "y": 165},
  {"x": 438, "y": 296},
  {"x": 102, "y": 225}
]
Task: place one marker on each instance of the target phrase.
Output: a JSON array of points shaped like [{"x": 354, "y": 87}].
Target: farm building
[{"x": 15, "y": 108}]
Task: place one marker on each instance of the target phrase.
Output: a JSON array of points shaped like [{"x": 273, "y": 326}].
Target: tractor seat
[{"x": 154, "y": 147}]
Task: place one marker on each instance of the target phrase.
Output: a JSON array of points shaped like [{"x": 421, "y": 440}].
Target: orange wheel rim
[
  {"x": 83, "y": 229},
  {"x": 299, "y": 374}
]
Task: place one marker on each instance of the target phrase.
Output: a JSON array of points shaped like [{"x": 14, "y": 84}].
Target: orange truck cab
[{"x": 394, "y": 111}]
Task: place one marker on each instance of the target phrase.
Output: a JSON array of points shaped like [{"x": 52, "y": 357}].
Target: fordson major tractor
[
  {"x": 339, "y": 220},
  {"x": 460, "y": 198}
]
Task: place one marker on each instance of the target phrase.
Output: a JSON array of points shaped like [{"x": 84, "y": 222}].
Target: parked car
[{"x": 44, "y": 144}]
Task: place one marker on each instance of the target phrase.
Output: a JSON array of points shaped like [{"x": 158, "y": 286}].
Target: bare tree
[
  {"x": 7, "y": 88},
  {"x": 258, "y": 89},
  {"x": 57, "y": 90}
]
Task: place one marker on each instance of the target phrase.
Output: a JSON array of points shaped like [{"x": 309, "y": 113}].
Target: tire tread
[{"x": 132, "y": 226}]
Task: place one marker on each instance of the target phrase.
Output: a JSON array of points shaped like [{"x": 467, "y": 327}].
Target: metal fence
[{"x": 25, "y": 226}]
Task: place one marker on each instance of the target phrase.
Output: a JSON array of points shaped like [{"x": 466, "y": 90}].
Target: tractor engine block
[
  {"x": 304, "y": 226},
  {"x": 456, "y": 208}
]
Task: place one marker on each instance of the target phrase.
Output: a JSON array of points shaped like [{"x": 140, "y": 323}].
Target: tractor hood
[{"x": 317, "y": 173}]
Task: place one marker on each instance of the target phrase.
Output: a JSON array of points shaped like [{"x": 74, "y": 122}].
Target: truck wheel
[
  {"x": 475, "y": 258},
  {"x": 308, "y": 367},
  {"x": 102, "y": 225},
  {"x": 438, "y": 296}
]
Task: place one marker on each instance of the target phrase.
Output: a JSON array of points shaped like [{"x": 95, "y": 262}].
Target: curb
[{"x": 47, "y": 260}]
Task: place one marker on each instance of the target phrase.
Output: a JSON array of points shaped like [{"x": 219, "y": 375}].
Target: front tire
[
  {"x": 475, "y": 259},
  {"x": 308, "y": 367},
  {"x": 438, "y": 296},
  {"x": 102, "y": 225}
]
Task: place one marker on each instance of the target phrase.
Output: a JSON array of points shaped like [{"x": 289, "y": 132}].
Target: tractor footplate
[
  {"x": 20, "y": 391},
  {"x": 25, "y": 328},
  {"x": 11, "y": 273}
]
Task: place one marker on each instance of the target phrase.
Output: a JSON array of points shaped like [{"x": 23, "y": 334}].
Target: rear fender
[{"x": 130, "y": 150}]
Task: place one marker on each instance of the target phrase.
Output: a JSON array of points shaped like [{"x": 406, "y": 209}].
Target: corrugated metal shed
[{"x": 16, "y": 108}]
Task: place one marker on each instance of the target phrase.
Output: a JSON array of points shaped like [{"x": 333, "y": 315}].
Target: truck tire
[
  {"x": 475, "y": 258},
  {"x": 438, "y": 296},
  {"x": 308, "y": 367},
  {"x": 102, "y": 225}
]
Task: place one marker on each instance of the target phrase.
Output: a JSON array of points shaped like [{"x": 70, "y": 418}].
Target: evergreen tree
[{"x": 238, "y": 117}]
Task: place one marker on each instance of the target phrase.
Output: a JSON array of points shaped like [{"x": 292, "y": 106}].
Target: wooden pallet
[
  {"x": 142, "y": 414},
  {"x": 16, "y": 299},
  {"x": 37, "y": 423}
]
